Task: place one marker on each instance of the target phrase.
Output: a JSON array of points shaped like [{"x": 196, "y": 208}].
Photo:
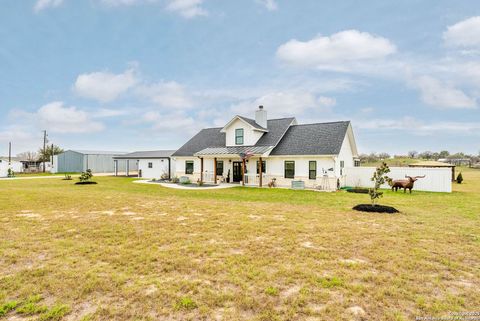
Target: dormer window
[{"x": 239, "y": 136}]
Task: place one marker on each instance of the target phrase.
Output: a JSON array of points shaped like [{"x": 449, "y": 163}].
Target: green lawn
[{"x": 124, "y": 251}]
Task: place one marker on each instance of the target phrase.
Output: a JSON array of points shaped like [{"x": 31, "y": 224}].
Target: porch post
[
  {"x": 127, "y": 167},
  {"x": 201, "y": 169},
  {"x": 243, "y": 172},
  {"x": 215, "y": 170},
  {"x": 115, "y": 166},
  {"x": 260, "y": 171}
]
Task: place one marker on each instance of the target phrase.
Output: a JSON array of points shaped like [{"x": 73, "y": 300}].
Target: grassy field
[{"x": 123, "y": 251}]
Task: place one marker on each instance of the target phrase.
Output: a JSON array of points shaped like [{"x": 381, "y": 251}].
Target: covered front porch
[{"x": 223, "y": 165}]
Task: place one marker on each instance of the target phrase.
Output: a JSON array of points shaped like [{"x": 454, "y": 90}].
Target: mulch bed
[
  {"x": 375, "y": 209},
  {"x": 85, "y": 183}
]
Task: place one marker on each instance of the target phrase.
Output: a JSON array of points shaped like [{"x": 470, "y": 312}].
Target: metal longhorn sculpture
[{"x": 404, "y": 183}]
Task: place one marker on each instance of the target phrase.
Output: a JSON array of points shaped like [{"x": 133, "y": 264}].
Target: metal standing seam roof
[
  {"x": 96, "y": 152},
  {"x": 430, "y": 164},
  {"x": 147, "y": 154},
  {"x": 233, "y": 150}
]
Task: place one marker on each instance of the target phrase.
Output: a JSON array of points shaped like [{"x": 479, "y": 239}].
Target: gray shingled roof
[
  {"x": 234, "y": 150},
  {"x": 147, "y": 154},
  {"x": 208, "y": 137},
  {"x": 252, "y": 122},
  {"x": 313, "y": 139},
  {"x": 276, "y": 130},
  {"x": 212, "y": 137}
]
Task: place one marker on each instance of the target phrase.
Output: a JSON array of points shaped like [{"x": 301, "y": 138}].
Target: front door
[{"x": 237, "y": 171}]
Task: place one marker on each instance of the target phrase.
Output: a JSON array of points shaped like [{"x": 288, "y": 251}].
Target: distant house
[
  {"x": 13, "y": 163},
  {"x": 150, "y": 164},
  {"x": 75, "y": 161},
  {"x": 279, "y": 149}
]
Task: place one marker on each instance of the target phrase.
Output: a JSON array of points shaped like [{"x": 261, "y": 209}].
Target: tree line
[
  {"x": 42, "y": 154},
  {"x": 427, "y": 155}
]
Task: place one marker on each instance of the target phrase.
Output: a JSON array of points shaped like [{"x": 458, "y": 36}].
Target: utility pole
[
  {"x": 9, "y": 153},
  {"x": 44, "y": 148},
  {"x": 51, "y": 164}
]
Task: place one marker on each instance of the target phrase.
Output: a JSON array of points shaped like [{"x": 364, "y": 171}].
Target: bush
[
  {"x": 460, "y": 178},
  {"x": 11, "y": 173},
  {"x": 86, "y": 176},
  {"x": 67, "y": 177},
  {"x": 175, "y": 179},
  {"x": 199, "y": 182},
  {"x": 164, "y": 176}
]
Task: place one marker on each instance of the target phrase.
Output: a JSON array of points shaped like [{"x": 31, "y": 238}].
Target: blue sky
[{"x": 147, "y": 74}]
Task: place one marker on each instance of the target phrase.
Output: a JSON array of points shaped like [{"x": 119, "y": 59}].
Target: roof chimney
[{"x": 261, "y": 116}]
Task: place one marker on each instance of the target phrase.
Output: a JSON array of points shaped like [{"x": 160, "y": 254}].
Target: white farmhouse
[{"x": 281, "y": 149}]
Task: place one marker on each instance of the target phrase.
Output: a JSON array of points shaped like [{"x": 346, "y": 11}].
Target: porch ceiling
[{"x": 234, "y": 150}]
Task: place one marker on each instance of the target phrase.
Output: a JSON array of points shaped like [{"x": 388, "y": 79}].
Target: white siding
[
  {"x": 180, "y": 167},
  {"x": 276, "y": 168},
  {"x": 250, "y": 136},
  {"x": 14, "y": 165},
  {"x": 159, "y": 167},
  {"x": 345, "y": 155},
  {"x": 436, "y": 180}
]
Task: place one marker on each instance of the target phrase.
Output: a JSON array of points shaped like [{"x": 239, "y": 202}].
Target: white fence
[{"x": 436, "y": 179}]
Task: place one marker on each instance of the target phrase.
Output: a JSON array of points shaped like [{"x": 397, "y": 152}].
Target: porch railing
[{"x": 254, "y": 179}]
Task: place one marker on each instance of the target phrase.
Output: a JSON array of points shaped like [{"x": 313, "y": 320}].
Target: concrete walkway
[
  {"x": 177, "y": 186},
  {"x": 32, "y": 177}
]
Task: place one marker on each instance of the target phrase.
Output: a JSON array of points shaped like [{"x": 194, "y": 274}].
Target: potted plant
[{"x": 228, "y": 176}]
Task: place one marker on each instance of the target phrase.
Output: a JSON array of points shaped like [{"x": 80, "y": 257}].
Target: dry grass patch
[{"x": 127, "y": 251}]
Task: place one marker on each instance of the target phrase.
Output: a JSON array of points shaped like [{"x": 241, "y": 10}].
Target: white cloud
[
  {"x": 104, "y": 86},
  {"x": 107, "y": 112},
  {"x": 116, "y": 3},
  {"x": 172, "y": 122},
  {"x": 419, "y": 127},
  {"x": 270, "y": 5},
  {"x": 167, "y": 94},
  {"x": 441, "y": 95},
  {"x": 327, "y": 101},
  {"x": 340, "y": 51},
  {"x": 465, "y": 33},
  {"x": 285, "y": 104},
  {"x": 187, "y": 8},
  {"x": 57, "y": 118},
  {"x": 45, "y": 4}
]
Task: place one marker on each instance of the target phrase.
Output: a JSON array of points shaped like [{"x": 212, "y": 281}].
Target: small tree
[
  {"x": 460, "y": 178},
  {"x": 86, "y": 176},
  {"x": 379, "y": 178},
  {"x": 48, "y": 152},
  {"x": 413, "y": 154}
]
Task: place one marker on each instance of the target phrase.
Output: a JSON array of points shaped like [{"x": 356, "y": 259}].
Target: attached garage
[
  {"x": 75, "y": 161},
  {"x": 150, "y": 164}
]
